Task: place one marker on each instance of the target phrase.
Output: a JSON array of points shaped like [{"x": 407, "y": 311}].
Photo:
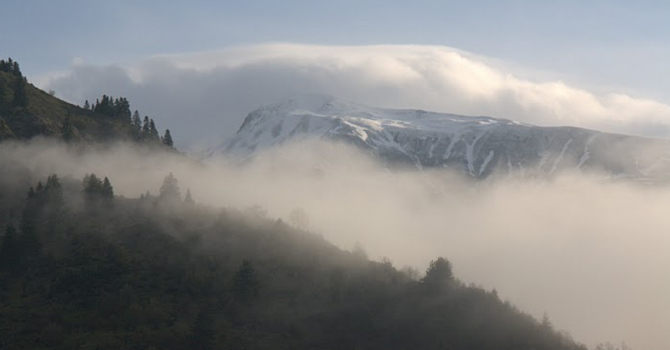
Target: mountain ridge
[{"x": 476, "y": 146}]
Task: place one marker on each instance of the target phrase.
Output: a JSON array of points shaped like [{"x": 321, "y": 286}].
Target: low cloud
[
  {"x": 204, "y": 96},
  {"x": 592, "y": 254}
]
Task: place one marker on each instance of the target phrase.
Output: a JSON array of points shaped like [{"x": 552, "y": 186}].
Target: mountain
[{"x": 476, "y": 146}]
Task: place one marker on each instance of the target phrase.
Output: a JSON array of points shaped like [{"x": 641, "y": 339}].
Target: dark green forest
[{"x": 83, "y": 268}]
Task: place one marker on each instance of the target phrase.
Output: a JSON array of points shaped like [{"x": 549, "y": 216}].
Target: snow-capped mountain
[{"x": 478, "y": 146}]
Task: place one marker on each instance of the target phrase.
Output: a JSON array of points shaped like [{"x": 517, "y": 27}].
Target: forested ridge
[
  {"x": 27, "y": 112},
  {"x": 82, "y": 268}
]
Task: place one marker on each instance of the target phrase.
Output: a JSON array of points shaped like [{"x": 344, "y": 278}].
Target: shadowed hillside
[{"x": 83, "y": 269}]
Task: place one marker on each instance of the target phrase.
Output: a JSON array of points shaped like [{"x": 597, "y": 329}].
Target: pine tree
[
  {"x": 39, "y": 189},
  {"x": 188, "y": 199},
  {"x": 86, "y": 105},
  {"x": 92, "y": 187},
  {"x": 169, "y": 191},
  {"x": 153, "y": 132},
  {"x": 146, "y": 130},
  {"x": 439, "y": 275},
  {"x": 137, "y": 123},
  {"x": 121, "y": 109},
  {"x": 10, "y": 65},
  {"x": 107, "y": 191},
  {"x": 167, "y": 139},
  {"x": 54, "y": 191},
  {"x": 17, "y": 71}
]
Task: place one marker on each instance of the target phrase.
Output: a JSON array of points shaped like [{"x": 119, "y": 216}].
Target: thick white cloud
[{"x": 204, "y": 96}]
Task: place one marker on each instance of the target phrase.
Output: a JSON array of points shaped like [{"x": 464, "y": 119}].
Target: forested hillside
[
  {"x": 27, "y": 112},
  {"x": 81, "y": 268}
]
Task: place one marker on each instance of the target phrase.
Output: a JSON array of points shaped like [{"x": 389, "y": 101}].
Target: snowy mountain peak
[{"x": 477, "y": 146}]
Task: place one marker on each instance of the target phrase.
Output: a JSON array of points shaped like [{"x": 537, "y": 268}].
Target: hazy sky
[
  {"x": 612, "y": 42},
  {"x": 602, "y": 46}
]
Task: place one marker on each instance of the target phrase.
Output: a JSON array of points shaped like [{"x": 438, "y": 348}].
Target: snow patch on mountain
[{"x": 476, "y": 146}]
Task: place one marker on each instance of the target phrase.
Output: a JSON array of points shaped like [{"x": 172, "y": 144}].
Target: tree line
[
  {"x": 144, "y": 130},
  {"x": 10, "y": 66},
  {"x": 16, "y": 87}
]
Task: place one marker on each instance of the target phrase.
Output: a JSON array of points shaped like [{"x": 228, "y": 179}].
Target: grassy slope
[{"x": 45, "y": 115}]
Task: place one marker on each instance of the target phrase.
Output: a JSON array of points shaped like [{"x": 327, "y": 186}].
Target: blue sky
[{"x": 612, "y": 43}]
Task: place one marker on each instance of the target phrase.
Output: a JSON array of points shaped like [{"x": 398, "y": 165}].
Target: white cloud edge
[{"x": 438, "y": 78}]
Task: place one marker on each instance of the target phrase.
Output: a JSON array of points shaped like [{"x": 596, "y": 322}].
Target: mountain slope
[
  {"x": 27, "y": 112},
  {"x": 477, "y": 146},
  {"x": 45, "y": 115}
]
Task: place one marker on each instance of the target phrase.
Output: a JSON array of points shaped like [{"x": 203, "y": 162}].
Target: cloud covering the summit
[{"x": 203, "y": 97}]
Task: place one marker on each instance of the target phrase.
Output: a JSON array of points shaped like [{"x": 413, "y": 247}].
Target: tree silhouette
[
  {"x": 438, "y": 275},
  {"x": 167, "y": 139},
  {"x": 153, "y": 132},
  {"x": 137, "y": 123},
  {"x": 92, "y": 184},
  {"x": 107, "y": 191},
  {"x": 188, "y": 199},
  {"x": 169, "y": 191}
]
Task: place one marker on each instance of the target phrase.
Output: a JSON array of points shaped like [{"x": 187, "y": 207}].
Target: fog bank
[{"x": 591, "y": 253}]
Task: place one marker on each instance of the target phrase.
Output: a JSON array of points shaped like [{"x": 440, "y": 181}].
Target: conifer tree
[
  {"x": 17, "y": 70},
  {"x": 92, "y": 187},
  {"x": 39, "y": 189},
  {"x": 86, "y": 105},
  {"x": 54, "y": 191},
  {"x": 146, "y": 130},
  {"x": 107, "y": 191},
  {"x": 137, "y": 123},
  {"x": 169, "y": 191},
  {"x": 167, "y": 139},
  {"x": 153, "y": 132},
  {"x": 188, "y": 199},
  {"x": 439, "y": 275}
]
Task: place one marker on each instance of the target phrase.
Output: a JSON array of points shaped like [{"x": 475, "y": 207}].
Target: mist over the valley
[{"x": 588, "y": 251}]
